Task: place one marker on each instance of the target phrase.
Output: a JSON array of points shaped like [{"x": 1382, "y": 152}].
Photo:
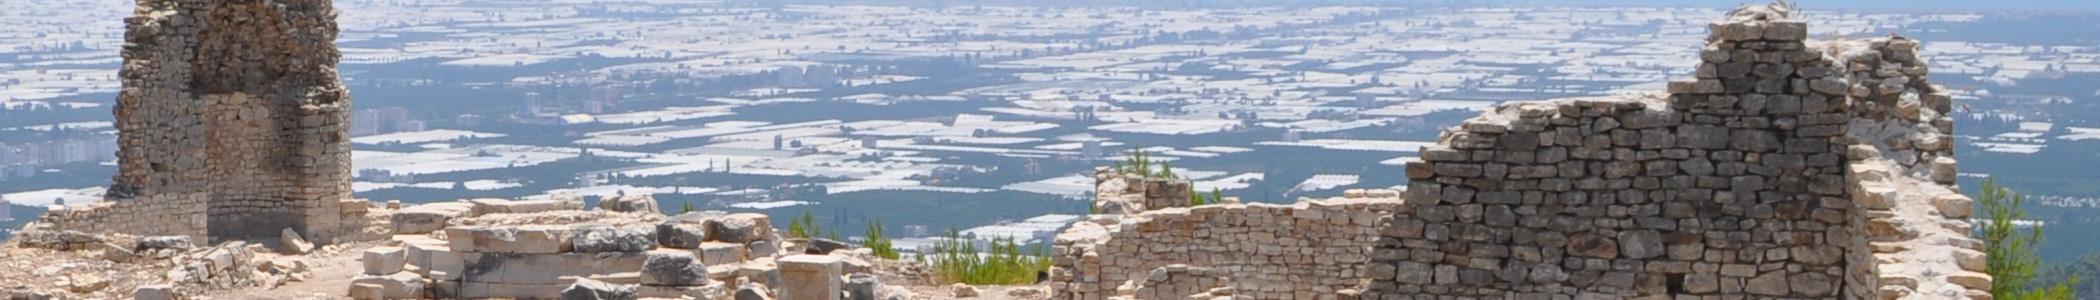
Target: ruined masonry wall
[
  {"x": 157, "y": 215},
  {"x": 1787, "y": 168},
  {"x": 232, "y": 116},
  {"x": 1309, "y": 250}
]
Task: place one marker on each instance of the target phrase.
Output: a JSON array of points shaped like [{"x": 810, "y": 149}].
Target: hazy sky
[{"x": 2084, "y": 5}]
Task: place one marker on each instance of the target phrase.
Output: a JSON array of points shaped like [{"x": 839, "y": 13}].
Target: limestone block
[
  {"x": 367, "y": 291},
  {"x": 441, "y": 263},
  {"x": 155, "y": 292},
  {"x": 521, "y": 239},
  {"x": 675, "y": 234},
  {"x": 863, "y": 287},
  {"x": 1971, "y": 279},
  {"x": 825, "y": 246},
  {"x": 425, "y": 218},
  {"x": 753, "y": 292},
  {"x": 739, "y": 228},
  {"x": 760, "y": 270},
  {"x": 460, "y": 238},
  {"x": 763, "y": 248},
  {"x": 587, "y": 289},
  {"x": 719, "y": 253},
  {"x": 810, "y": 277},
  {"x": 630, "y": 203},
  {"x": 293, "y": 243},
  {"x": 1642, "y": 244},
  {"x": 673, "y": 267},
  {"x": 487, "y": 206},
  {"x": 402, "y": 285},
  {"x": 354, "y": 206},
  {"x": 384, "y": 260},
  {"x": 682, "y": 292},
  {"x": 176, "y": 242},
  {"x": 1772, "y": 283},
  {"x": 604, "y": 238}
]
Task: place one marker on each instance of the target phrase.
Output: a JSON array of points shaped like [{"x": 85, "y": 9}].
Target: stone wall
[
  {"x": 1757, "y": 178},
  {"x": 1314, "y": 249},
  {"x": 1902, "y": 173},
  {"x": 160, "y": 214},
  {"x": 231, "y": 111}
]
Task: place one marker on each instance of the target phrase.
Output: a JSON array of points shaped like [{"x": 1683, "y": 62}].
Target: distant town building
[
  {"x": 867, "y": 142},
  {"x": 532, "y": 104},
  {"x": 409, "y": 125},
  {"x": 594, "y": 107},
  {"x": 779, "y": 142},
  {"x": 606, "y": 95},
  {"x": 467, "y": 120},
  {"x": 1090, "y": 149},
  {"x": 1366, "y": 101},
  {"x": 1292, "y": 136},
  {"x": 378, "y": 121},
  {"x": 6, "y": 211},
  {"x": 914, "y": 231}
]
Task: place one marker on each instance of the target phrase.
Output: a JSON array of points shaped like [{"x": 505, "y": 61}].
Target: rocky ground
[{"x": 94, "y": 271}]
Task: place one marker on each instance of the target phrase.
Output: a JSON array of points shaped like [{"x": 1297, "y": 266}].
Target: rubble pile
[{"x": 56, "y": 265}]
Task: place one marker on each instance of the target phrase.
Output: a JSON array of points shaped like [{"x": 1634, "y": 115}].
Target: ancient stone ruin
[
  {"x": 230, "y": 110},
  {"x": 1787, "y": 168},
  {"x": 624, "y": 249}
]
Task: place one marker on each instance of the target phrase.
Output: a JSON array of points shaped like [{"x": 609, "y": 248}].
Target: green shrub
[
  {"x": 805, "y": 227},
  {"x": 958, "y": 260},
  {"x": 881, "y": 244},
  {"x": 2011, "y": 253}
]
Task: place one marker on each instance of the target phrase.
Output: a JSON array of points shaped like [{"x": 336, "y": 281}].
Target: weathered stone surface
[
  {"x": 739, "y": 228},
  {"x": 175, "y": 242},
  {"x": 402, "y": 285},
  {"x": 810, "y": 277},
  {"x": 293, "y": 243},
  {"x": 630, "y": 203},
  {"x": 425, "y": 218},
  {"x": 677, "y": 234},
  {"x": 822, "y": 246},
  {"x": 673, "y": 267},
  {"x": 487, "y": 206},
  {"x": 1772, "y": 283},
  {"x": 602, "y": 238},
  {"x": 863, "y": 286},
  {"x": 587, "y": 289},
  {"x": 384, "y": 260},
  {"x": 155, "y": 292}
]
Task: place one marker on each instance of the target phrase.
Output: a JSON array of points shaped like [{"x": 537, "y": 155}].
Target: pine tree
[{"x": 2011, "y": 254}]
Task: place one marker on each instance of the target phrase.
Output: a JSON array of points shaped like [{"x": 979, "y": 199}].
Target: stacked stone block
[
  {"x": 495, "y": 248},
  {"x": 232, "y": 112},
  {"x": 1184, "y": 282},
  {"x": 1118, "y": 193},
  {"x": 1314, "y": 249},
  {"x": 1736, "y": 184}
]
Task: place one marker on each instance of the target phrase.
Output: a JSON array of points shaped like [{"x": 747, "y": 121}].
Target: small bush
[
  {"x": 958, "y": 260},
  {"x": 804, "y": 227},
  {"x": 881, "y": 244}
]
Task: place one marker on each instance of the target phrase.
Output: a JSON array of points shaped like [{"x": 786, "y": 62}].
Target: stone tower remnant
[{"x": 231, "y": 123}]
